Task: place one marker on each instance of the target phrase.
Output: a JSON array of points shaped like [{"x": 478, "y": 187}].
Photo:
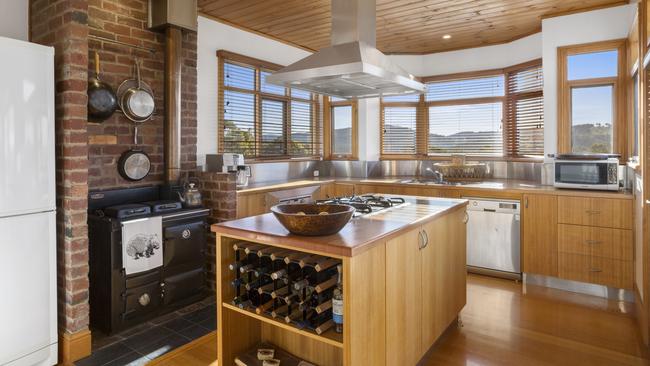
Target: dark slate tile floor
[{"x": 138, "y": 345}]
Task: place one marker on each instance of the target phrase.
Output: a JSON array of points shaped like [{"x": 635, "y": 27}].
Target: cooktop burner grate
[{"x": 365, "y": 204}]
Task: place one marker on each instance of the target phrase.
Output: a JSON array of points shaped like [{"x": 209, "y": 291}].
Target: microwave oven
[{"x": 587, "y": 172}]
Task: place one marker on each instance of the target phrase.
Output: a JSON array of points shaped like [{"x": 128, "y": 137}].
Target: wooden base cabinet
[
  {"x": 539, "y": 234},
  {"x": 425, "y": 286},
  {"x": 398, "y": 298}
]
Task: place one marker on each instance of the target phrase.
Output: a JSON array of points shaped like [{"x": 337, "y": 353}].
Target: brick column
[
  {"x": 220, "y": 196},
  {"x": 62, "y": 24}
]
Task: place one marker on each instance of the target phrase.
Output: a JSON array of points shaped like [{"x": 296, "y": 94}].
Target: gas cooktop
[{"x": 365, "y": 204}]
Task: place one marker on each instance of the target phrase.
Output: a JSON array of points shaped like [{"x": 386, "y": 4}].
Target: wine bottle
[
  {"x": 291, "y": 298},
  {"x": 265, "y": 251},
  {"x": 240, "y": 299},
  {"x": 326, "y": 284},
  {"x": 296, "y": 257},
  {"x": 299, "y": 285},
  {"x": 308, "y": 261},
  {"x": 255, "y": 285},
  {"x": 264, "y": 307},
  {"x": 281, "y": 292},
  {"x": 324, "y": 326},
  {"x": 279, "y": 273},
  {"x": 247, "y": 267},
  {"x": 295, "y": 314},
  {"x": 237, "y": 265},
  {"x": 280, "y": 311},
  {"x": 238, "y": 282},
  {"x": 320, "y": 308},
  {"x": 337, "y": 302},
  {"x": 252, "y": 248},
  {"x": 260, "y": 271},
  {"x": 280, "y": 254},
  {"x": 326, "y": 264}
]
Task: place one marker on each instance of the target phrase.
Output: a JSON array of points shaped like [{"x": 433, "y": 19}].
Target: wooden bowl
[{"x": 313, "y": 219}]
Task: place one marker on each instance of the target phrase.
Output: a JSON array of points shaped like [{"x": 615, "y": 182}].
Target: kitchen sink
[{"x": 433, "y": 181}]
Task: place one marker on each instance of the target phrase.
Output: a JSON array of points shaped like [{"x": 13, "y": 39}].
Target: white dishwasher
[{"x": 493, "y": 237}]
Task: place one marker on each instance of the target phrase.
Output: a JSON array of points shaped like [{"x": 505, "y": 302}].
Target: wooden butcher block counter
[{"x": 403, "y": 284}]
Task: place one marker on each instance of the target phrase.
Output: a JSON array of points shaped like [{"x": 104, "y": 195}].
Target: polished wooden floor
[{"x": 505, "y": 323}]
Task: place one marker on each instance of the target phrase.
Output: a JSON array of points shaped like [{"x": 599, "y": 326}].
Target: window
[
  {"x": 492, "y": 114},
  {"x": 525, "y": 111},
  {"x": 341, "y": 133},
  {"x": 591, "y": 98},
  {"x": 465, "y": 116},
  {"x": 401, "y": 119},
  {"x": 261, "y": 120}
]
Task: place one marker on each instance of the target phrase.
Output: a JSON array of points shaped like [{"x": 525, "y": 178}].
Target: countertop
[
  {"x": 502, "y": 185},
  {"x": 357, "y": 236}
]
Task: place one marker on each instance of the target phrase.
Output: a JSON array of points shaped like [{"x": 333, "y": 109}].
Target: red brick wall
[
  {"x": 66, "y": 25},
  {"x": 219, "y": 194},
  {"x": 62, "y": 24},
  {"x": 126, "y": 21}
]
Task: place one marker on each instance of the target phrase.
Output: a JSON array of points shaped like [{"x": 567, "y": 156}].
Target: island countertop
[{"x": 357, "y": 236}]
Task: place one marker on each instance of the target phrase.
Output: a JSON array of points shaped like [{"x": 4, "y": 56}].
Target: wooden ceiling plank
[{"x": 404, "y": 26}]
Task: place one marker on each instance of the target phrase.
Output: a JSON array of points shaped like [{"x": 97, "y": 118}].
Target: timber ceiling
[{"x": 403, "y": 26}]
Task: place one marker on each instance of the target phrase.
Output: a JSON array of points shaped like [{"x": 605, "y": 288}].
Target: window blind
[
  {"x": 525, "y": 112},
  {"x": 399, "y": 130},
  {"x": 483, "y": 87},
  {"x": 472, "y": 129},
  {"x": 262, "y": 120}
]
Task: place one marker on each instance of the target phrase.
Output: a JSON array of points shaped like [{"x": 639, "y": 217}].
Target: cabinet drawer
[
  {"x": 596, "y": 241},
  {"x": 603, "y": 212},
  {"x": 598, "y": 270}
]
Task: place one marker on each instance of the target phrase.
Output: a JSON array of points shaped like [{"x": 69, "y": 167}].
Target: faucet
[{"x": 439, "y": 178}]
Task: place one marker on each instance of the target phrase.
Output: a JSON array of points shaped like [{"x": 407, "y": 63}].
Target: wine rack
[{"x": 286, "y": 286}]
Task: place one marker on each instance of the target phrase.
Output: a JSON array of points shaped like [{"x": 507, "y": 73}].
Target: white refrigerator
[{"x": 28, "y": 296}]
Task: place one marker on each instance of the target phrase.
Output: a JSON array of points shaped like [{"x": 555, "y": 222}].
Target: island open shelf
[{"x": 402, "y": 277}]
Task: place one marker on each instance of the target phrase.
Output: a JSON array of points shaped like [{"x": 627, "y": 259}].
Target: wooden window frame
[
  {"x": 328, "y": 130},
  {"x": 260, "y": 66},
  {"x": 422, "y": 115},
  {"x": 421, "y": 130},
  {"x": 510, "y": 125},
  {"x": 564, "y": 124}
]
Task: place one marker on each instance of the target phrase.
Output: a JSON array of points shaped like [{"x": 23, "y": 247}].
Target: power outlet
[{"x": 316, "y": 173}]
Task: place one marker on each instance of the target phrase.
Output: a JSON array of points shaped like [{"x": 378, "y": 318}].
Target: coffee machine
[{"x": 229, "y": 163}]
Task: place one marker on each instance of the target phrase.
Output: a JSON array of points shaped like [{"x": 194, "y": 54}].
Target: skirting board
[
  {"x": 74, "y": 346},
  {"x": 606, "y": 292}
]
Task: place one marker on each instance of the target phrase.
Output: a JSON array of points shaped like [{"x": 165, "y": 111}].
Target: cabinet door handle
[
  {"x": 466, "y": 218},
  {"x": 526, "y": 202},
  {"x": 420, "y": 240},
  {"x": 426, "y": 238},
  {"x": 595, "y": 270},
  {"x": 592, "y": 212}
]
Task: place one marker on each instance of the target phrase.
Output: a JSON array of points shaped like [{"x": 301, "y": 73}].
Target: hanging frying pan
[
  {"x": 102, "y": 101},
  {"x": 136, "y": 98},
  {"x": 134, "y": 164}
]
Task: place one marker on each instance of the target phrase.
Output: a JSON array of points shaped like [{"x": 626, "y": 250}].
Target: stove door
[
  {"x": 143, "y": 299},
  {"x": 184, "y": 244},
  {"x": 185, "y": 285}
]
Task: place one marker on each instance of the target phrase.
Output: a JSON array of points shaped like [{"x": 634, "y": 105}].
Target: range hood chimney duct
[
  {"x": 351, "y": 67},
  {"x": 173, "y": 90}
]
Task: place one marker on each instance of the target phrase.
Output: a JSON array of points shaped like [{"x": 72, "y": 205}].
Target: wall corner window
[
  {"x": 341, "y": 118},
  {"x": 261, "y": 120},
  {"x": 490, "y": 114},
  {"x": 591, "y": 98}
]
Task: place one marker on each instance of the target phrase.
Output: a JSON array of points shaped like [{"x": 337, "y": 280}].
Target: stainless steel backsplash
[{"x": 273, "y": 172}]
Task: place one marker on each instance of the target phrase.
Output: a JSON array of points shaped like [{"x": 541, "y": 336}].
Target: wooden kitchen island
[{"x": 403, "y": 276}]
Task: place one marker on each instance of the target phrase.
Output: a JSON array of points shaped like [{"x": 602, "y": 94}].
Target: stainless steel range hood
[{"x": 352, "y": 67}]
